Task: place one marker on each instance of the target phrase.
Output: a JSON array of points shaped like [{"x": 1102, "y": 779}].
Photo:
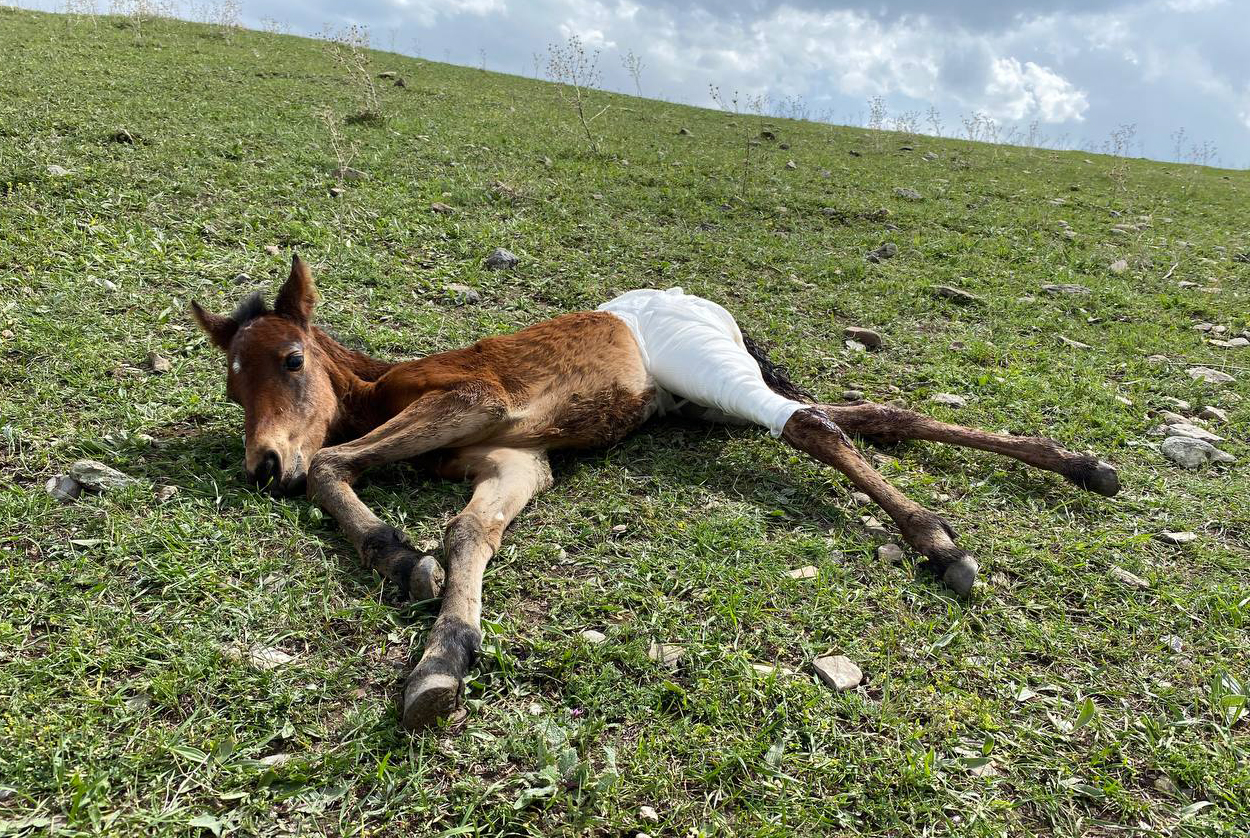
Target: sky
[{"x": 1079, "y": 69}]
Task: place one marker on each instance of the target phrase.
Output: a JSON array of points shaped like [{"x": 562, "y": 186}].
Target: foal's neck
[{"x": 351, "y": 374}]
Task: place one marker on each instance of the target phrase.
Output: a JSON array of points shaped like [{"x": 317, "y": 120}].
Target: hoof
[
  {"x": 961, "y": 575},
  {"x": 1098, "y": 477},
  {"x": 429, "y": 697},
  {"x": 426, "y": 580}
]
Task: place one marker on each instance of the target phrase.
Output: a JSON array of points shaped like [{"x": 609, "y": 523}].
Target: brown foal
[{"x": 319, "y": 414}]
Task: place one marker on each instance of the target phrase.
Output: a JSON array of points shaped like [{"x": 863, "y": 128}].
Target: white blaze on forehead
[{"x": 236, "y": 366}]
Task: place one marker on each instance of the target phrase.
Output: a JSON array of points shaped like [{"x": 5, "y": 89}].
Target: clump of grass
[
  {"x": 576, "y": 72},
  {"x": 348, "y": 48}
]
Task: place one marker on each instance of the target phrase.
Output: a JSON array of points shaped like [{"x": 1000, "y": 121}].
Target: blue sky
[{"x": 1080, "y": 70}]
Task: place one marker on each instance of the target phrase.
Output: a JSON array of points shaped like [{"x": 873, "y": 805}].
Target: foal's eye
[{"x": 295, "y": 361}]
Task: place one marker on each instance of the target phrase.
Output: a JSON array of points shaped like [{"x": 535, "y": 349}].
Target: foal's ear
[
  {"x": 298, "y": 295},
  {"x": 220, "y": 330}
]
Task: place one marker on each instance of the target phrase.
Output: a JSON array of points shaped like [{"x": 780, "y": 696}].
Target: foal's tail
[{"x": 777, "y": 378}]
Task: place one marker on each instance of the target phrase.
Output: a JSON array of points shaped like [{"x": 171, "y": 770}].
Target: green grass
[{"x": 122, "y": 715}]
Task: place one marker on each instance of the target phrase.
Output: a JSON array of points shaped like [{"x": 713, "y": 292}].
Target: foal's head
[{"x": 278, "y": 373}]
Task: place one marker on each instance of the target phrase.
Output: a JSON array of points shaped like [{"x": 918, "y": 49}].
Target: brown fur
[{"x": 489, "y": 413}]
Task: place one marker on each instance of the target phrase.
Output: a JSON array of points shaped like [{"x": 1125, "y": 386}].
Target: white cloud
[{"x": 1022, "y": 91}]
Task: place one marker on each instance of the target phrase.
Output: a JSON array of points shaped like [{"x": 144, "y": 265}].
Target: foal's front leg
[
  {"x": 505, "y": 479},
  {"x": 812, "y": 431},
  {"x": 433, "y": 421}
]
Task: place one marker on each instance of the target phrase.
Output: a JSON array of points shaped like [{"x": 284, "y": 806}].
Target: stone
[
  {"x": 1064, "y": 288},
  {"x": 1177, "y": 538},
  {"x": 860, "y": 498},
  {"x": 891, "y": 553},
  {"x": 1171, "y": 418},
  {"x": 441, "y": 208},
  {"x": 388, "y": 74},
  {"x": 886, "y": 251},
  {"x": 272, "y": 249},
  {"x": 665, "y": 654},
  {"x": 1173, "y": 642},
  {"x": 97, "y": 477},
  {"x": 805, "y": 572},
  {"x": 1193, "y": 453},
  {"x": 948, "y": 399},
  {"x": 853, "y": 395},
  {"x": 336, "y": 191},
  {"x": 929, "y": 155},
  {"x": 1179, "y": 404},
  {"x": 275, "y": 760},
  {"x": 765, "y": 670},
  {"x": 348, "y": 173},
  {"x": 838, "y": 672},
  {"x": 462, "y": 294},
  {"x": 790, "y": 164},
  {"x": 855, "y": 346},
  {"x": 1209, "y": 375},
  {"x": 684, "y": 132},
  {"x": 164, "y": 493},
  {"x": 867, "y": 337},
  {"x": 7, "y": 334},
  {"x": 907, "y": 194},
  {"x": 1156, "y": 359},
  {"x": 874, "y": 526},
  {"x": 1213, "y": 413},
  {"x": 956, "y": 294},
  {"x": 1127, "y": 578},
  {"x": 1075, "y": 344},
  {"x": 593, "y": 636},
  {"x": 260, "y": 657},
  {"x": 1191, "y": 431},
  {"x": 158, "y": 363},
  {"x": 501, "y": 259},
  {"x": 399, "y": 82},
  {"x": 57, "y": 171},
  {"x": 1119, "y": 266},
  {"x": 648, "y": 814},
  {"x": 64, "y": 488},
  {"x": 121, "y": 135}
]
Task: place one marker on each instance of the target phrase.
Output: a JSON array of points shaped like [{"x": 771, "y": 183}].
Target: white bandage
[{"x": 693, "y": 349}]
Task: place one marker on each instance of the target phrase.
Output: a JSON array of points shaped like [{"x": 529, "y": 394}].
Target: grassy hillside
[{"x": 1057, "y": 701}]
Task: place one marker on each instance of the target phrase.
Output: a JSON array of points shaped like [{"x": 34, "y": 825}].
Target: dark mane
[{"x": 252, "y": 306}]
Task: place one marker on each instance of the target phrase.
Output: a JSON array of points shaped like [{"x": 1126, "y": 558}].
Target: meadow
[{"x": 143, "y": 166}]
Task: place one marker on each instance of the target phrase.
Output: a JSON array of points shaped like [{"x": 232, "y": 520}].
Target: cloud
[{"x": 1018, "y": 92}]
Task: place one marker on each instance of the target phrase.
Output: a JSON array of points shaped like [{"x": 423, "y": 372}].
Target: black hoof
[{"x": 1097, "y": 476}]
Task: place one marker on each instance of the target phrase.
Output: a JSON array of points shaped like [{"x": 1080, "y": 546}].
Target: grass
[{"x": 121, "y": 712}]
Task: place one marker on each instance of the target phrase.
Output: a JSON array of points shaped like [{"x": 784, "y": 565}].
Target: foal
[{"x": 319, "y": 414}]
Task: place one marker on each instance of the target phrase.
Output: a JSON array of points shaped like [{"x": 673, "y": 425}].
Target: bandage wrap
[{"x": 693, "y": 350}]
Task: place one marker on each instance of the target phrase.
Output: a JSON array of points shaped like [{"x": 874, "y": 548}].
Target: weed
[
  {"x": 633, "y": 65},
  {"x": 755, "y": 105},
  {"x": 576, "y": 74},
  {"x": 349, "y": 49}
]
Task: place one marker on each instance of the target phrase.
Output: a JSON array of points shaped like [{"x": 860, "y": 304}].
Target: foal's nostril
[{"x": 268, "y": 471}]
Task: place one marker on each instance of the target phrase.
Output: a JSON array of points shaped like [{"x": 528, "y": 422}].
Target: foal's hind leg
[
  {"x": 812, "y": 431},
  {"x": 886, "y": 422},
  {"x": 505, "y": 481}
]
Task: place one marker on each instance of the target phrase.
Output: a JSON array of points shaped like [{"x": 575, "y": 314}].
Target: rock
[
  {"x": 1119, "y": 266},
  {"x": 891, "y": 553},
  {"x": 275, "y": 760},
  {"x": 1173, "y": 642},
  {"x": 441, "y": 208},
  {"x": 64, "y": 488},
  {"x": 138, "y": 703},
  {"x": 57, "y": 171},
  {"x": 929, "y": 155},
  {"x": 260, "y": 657},
  {"x": 855, "y": 346},
  {"x": 1171, "y": 418},
  {"x": 854, "y": 153},
  {"x": 1209, "y": 375},
  {"x": 121, "y": 135},
  {"x": 1191, "y": 431},
  {"x": 1213, "y": 413},
  {"x": 767, "y": 135},
  {"x": 1193, "y": 453},
  {"x": 1128, "y": 579},
  {"x": 1064, "y": 288},
  {"x": 1179, "y": 404},
  {"x": 272, "y": 249},
  {"x": 907, "y": 194},
  {"x": 956, "y": 294},
  {"x": 158, "y": 363},
  {"x": 665, "y": 654},
  {"x": 867, "y": 337},
  {"x": 592, "y": 636},
  {"x": 7, "y": 334},
  {"x": 765, "y": 670},
  {"x": 501, "y": 259},
  {"x": 948, "y": 399},
  {"x": 886, "y": 251},
  {"x": 684, "y": 132},
  {"x": 1177, "y": 538},
  {"x": 399, "y": 82},
  {"x": 546, "y": 161},
  {"x": 164, "y": 493},
  {"x": 336, "y": 191},
  {"x": 348, "y": 173},
  {"x": 97, "y": 477},
  {"x": 1164, "y": 785},
  {"x": 852, "y": 395},
  {"x": 860, "y": 499},
  {"x": 648, "y": 814},
  {"x": 874, "y": 527},
  {"x": 805, "y": 572},
  {"x": 790, "y": 164},
  {"x": 838, "y": 672},
  {"x": 388, "y": 74},
  {"x": 1156, "y": 359},
  {"x": 462, "y": 294},
  {"x": 1075, "y": 344}
]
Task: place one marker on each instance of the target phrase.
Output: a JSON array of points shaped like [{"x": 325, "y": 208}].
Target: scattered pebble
[
  {"x": 768, "y": 670},
  {"x": 907, "y": 194},
  {"x": 1193, "y": 453},
  {"x": 852, "y": 395},
  {"x": 1156, "y": 359},
  {"x": 855, "y": 346},
  {"x": 64, "y": 488},
  {"x": 665, "y": 654},
  {"x": 1191, "y": 431},
  {"x": 1213, "y": 413},
  {"x": 1209, "y": 375},
  {"x": 1124, "y": 577},
  {"x": 164, "y": 493},
  {"x": 1064, "y": 288},
  {"x": 1075, "y": 344},
  {"x": 886, "y": 251},
  {"x": 593, "y": 636},
  {"x": 929, "y": 155},
  {"x": 790, "y": 164},
  {"x": 684, "y": 132},
  {"x": 158, "y": 363},
  {"x": 336, "y": 191},
  {"x": 874, "y": 526},
  {"x": 890, "y": 553},
  {"x": 97, "y": 477},
  {"x": 838, "y": 672},
  {"x": 260, "y": 657},
  {"x": 348, "y": 173},
  {"x": 860, "y": 498},
  {"x": 501, "y": 259},
  {"x": 388, "y": 74},
  {"x": 649, "y": 814},
  {"x": 1173, "y": 642},
  {"x": 1177, "y": 538},
  {"x": 462, "y": 294},
  {"x": 272, "y": 249},
  {"x": 1119, "y": 266},
  {"x": 956, "y": 294},
  {"x": 948, "y": 399},
  {"x": 805, "y": 572},
  {"x": 57, "y": 171},
  {"x": 441, "y": 208}
]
